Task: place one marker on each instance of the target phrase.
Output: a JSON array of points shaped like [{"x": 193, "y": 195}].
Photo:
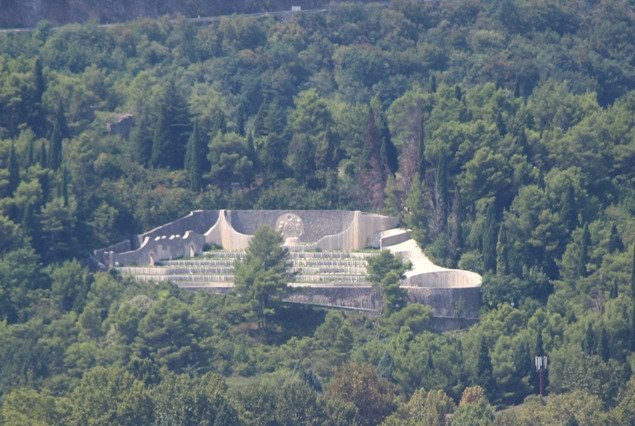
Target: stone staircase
[{"x": 213, "y": 270}]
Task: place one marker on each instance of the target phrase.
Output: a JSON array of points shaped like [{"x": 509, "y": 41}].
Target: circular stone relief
[{"x": 290, "y": 225}]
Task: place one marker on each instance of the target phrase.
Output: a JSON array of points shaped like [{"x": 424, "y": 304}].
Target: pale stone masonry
[{"x": 324, "y": 244}]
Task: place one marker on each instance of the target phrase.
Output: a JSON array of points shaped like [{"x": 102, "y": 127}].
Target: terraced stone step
[{"x": 215, "y": 269}]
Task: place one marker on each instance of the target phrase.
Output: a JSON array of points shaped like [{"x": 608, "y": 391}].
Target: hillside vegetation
[{"x": 500, "y": 132}]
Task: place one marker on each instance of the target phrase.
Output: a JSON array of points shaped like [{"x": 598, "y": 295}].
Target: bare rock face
[{"x": 27, "y": 13}]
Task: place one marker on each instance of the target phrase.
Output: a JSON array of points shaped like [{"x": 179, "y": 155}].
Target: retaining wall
[
  {"x": 357, "y": 297},
  {"x": 463, "y": 303},
  {"x": 233, "y": 229}
]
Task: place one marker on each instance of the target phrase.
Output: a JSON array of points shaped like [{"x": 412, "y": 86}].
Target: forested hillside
[{"x": 500, "y": 132}]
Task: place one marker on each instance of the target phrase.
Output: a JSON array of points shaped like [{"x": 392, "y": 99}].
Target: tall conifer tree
[
  {"x": 489, "y": 239},
  {"x": 584, "y": 251},
  {"x": 615, "y": 242},
  {"x": 569, "y": 210},
  {"x": 42, "y": 155},
  {"x": 485, "y": 372},
  {"x": 141, "y": 137},
  {"x": 502, "y": 252},
  {"x": 14, "y": 171},
  {"x": 441, "y": 190},
  {"x": 196, "y": 162},
  {"x": 172, "y": 130},
  {"x": 58, "y": 134}
]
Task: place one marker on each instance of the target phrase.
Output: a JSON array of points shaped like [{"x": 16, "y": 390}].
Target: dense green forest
[{"x": 500, "y": 132}]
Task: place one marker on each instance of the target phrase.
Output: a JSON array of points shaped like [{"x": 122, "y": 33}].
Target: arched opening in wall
[
  {"x": 192, "y": 250},
  {"x": 151, "y": 259}
]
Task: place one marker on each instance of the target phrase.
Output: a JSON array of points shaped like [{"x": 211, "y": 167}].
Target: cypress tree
[
  {"x": 500, "y": 124},
  {"x": 64, "y": 186},
  {"x": 414, "y": 212},
  {"x": 485, "y": 373},
  {"x": 540, "y": 351},
  {"x": 389, "y": 150},
  {"x": 241, "y": 118},
  {"x": 613, "y": 291},
  {"x": 523, "y": 368},
  {"x": 615, "y": 242},
  {"x": 456, "y": 234},
  {"x": 142, "y": 139},
  {"x": 422, "y": 148},
  {"x": 589, "y": 344},
  {"x": 489, "y": 239},
  {"x": 30, "y": 153},
  {"x": 325, "y": 151},
  {"x": 569, "y": 210},
  {"x": 584, "y": 251},
  {"x": 196, "y": 158},
  {"x": 441, "y": 188},
  {"x": 43, "y": 155},
  {"x": 433, "y": 83},
  {"x": 458, "y": 94},
  {"x": 172, "y": 130},
  {"x": 218, "y": 122},
  {"x": 59, "y": 132},
  {"x": 37, "y": 118},
  {"x": 502, "y": 252},
  {"x": 604, "y": 349},
  {"x": 392, "y": 203},
  {"x": 274, "y": 121},
  {"x": 259, "y": 121},
  {"x": 14, "y": 171}
]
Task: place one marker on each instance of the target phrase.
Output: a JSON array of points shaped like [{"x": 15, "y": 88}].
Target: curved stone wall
[
  {"x": 233, "y": 229},
  {"x": 315, "y": 223},
  {"x": 198, "y": 221},
  {"x": 461, "y": 302},
  {"x": 446, "y": 278}
]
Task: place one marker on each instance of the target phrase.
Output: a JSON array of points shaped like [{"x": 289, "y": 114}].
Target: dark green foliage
[
  {"x": 196, "y": 158},
  {"x": 489, "y": 239},
  {"x": 141, "y": 138},
  {"x": 502, "y": 252},
  {"x": 386, "y": 366},
  {"x": 381, "y": 265},
  {"x": 484, "y": 373},
  {"x": 441, "y": 190},
  {"x": 14, "y": 172},
  {"x": 171, "y": 130},
  {"x": 615, "y": 242},
  {"x": 569, "y": 210},
  {"x": 172, "y": 337},
  {"x": 583, "y": 258},
  {"x": 312, "y": 111},
  {"x": 312, "y": 380},
  {"x": 589, "y": 344},
  {"x": 42, "y": 155},
  {"x": 59, "y": 132},
  {"x": 395, "y": 297},
  {"x": 604, "y": 349},
  {"x": 261, "y": 277}
]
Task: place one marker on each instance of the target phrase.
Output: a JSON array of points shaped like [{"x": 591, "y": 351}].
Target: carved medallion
[{"x": 290, "y": 225}]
